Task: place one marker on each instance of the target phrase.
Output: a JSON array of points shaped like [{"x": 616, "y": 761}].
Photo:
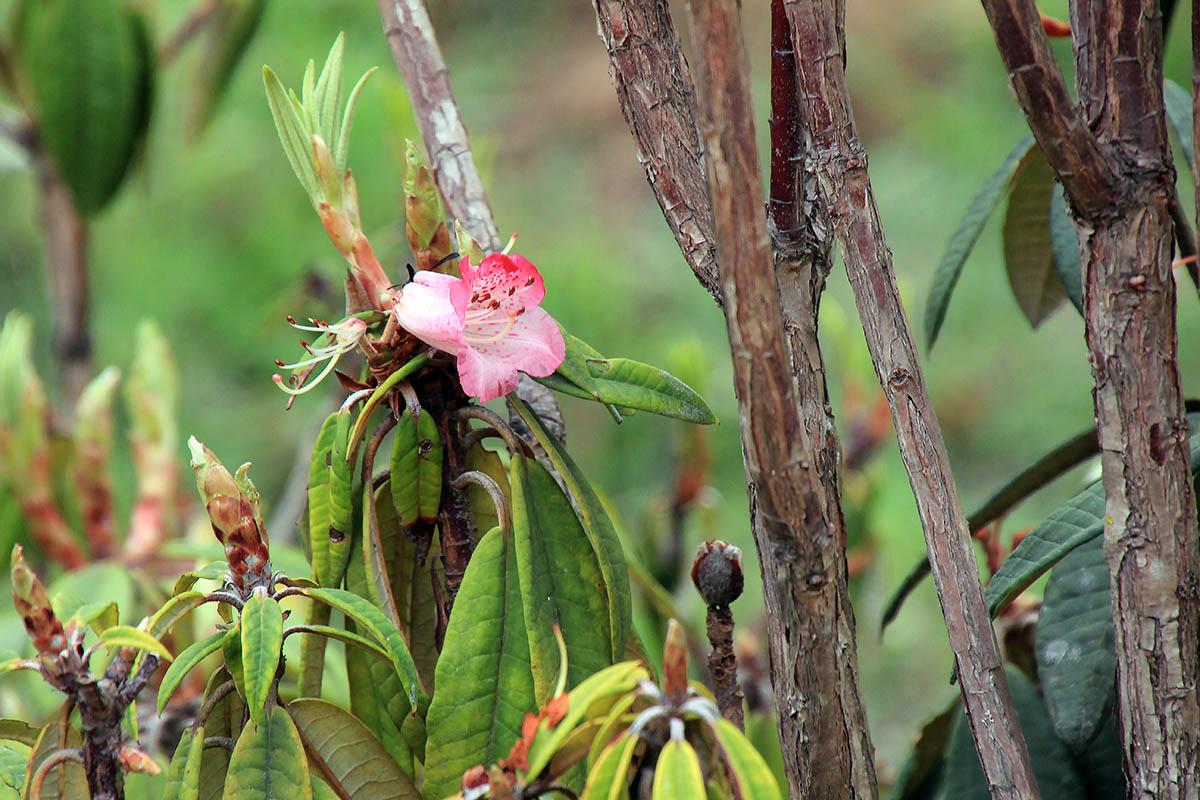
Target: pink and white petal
[
  {"x": 504, "y": 284},
  {"x": 484, "y": 376},
  {"x": 423, "y": 309},
  {"x": 537, "y": 341}
]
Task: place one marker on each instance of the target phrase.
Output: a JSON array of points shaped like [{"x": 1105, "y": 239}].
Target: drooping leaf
[
  {"x": 964, "y": 238},
  {"x": 1075, "y": 650},
  {"x": 330, "y": 500},
  {"x": 348, "y": 638},
  {"x": 339, "y": 745},
  {"x": 16, "y": 730},
  {"x": 561, "y": 580},
  {"x": 677, "y": 773},
  {"x": 1099, "y": 765},
  {"x": 1065, "y": 245},
  {"x": 484, "y": 682},
  {"x": 172, "y": 611},
  {"x": 609, "y": 778},
  {"x": 405, "y": 479},
  {"x": 87, "y": 72},
  {"x": 1178, "y": 102},
  {"x": 268, "y": 762},
  {"x": 1028, "y": 255},
  {"x": 211, "y": 571},
  {"x": 411, "y": 586},
  {"x": 1052, "y": 765},
  {"x": 262, "y": 640},
  {"x": 599, "y": 528},
  {"x": 381, "y": 628},
  {"x": 12, "y": 769},
  {"x": 225, "y": 719},
  {"x": 612, "y": 726},
  {"x": 125, "y": 636},
  {"x": 429, "y": 468},
  {"x": 184, "y": 663},
  {"x": 748, "y": 772},
  {"x": 183, "y": 776},
  {"x": 65, "y": 781}
]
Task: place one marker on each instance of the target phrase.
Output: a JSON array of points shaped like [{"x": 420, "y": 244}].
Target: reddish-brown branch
[
  {"x": 655, "y": 92},
  {"x": 789, "y": 446},
  {"x": 840, "y": 165}
]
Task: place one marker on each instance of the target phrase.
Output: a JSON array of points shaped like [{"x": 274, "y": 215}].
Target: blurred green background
[{"x": 215, "y": 239}]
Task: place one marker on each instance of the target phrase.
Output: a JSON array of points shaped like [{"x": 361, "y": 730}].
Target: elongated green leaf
[
  {"x": 964, "y": 238},
  {"x": 584, "y": 702},
  {"x": 1076, "y": 655},
  {"x": 87, "y": 74},
  {"x": 429, "y": 468},
  {"x": 378, "y": 625},
  {"x": 230, "y": 30},
  {"x": 341, "y": 746},
  {"x": 1052, "y": 766},
  {"x": 172, "y": 611},
  {"x": 405, "y": 478},
  {"x": 12, "y": 768},
  {"x": 411, "y": 586},
  {"x": 100, "y": 615},
  {"x": 561, "y": 581},
  {"x": 262, "y": 640},
  {"x": 268, "y": 762},
  {"x": 348, "y": 638},
  {"x": 484, "y": 679},
  {"x": 184, "y": 663},
  {"x": 599, "y": 528},
  {"x": 66, "y": 781},
  {"x": 225, "y": 719},
  {"x": 1065, "y": 245},
  {"x": 609, "y": 778},
  {"x": 1099, "y": 765},
  {"x": 748, "y": 772},
  {"x": 16, "y": 730},
  {"x": 328, "y": 93},
  {"x": 183, "y": 776},
  {"x": 293, "y": 132},
  {"x": 618, "y": 719},
  {"x": 1178, "y": 103},
  {"x": 330, "y": 500},
  {"x": 1028, "y": 255},
  {"x": 125, "y": 636},
  {"x": 677, "y": 773},
  {"x": 213, "y": 571},
  {"x": 920, "y": 777},
  {"x": 369, "y": 703}
]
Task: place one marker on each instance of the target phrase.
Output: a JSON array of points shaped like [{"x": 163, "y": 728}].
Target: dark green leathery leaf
[
  {"x": 412, "y": 587},
  {"x": 1028, "y": 251},
  {"x": 327, "y": 520},
  {"x": 268, "y": 761},
  {"x": 405, "y": 477},
  {"x": 346, "y": 749},
  {"x": 485, "y": 682},
  {"x": 184, "y": 663},
  {"x": 262, "y": 639},
  {"x": 183, "y": 775},
  {"x": 429, "y": 467},
  {"x": 561, "y": 580}
]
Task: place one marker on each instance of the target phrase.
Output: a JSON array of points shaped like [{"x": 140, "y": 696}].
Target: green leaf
[
  {"x": 1099, "y": 765},
  {"x": 920, "y": 778},
  {"x": 1075, "y": 650},
  {"x": 378, "y": 625},
  {"x": 748, "y": 772},
  {"x": 429, "y": 468},
  {"x": 293, "y": 132},
  {"x": 1178, "y": 102},
  {"x": 100, "y": 615},
  {"x": 484, "y": 680},
  {"x": 89, "y": 83},
  {"x": 609, "y": 778},
  {"x": 561, "y": 580},
  {"x": 225, "y": 719},
  {"x": 330, "y": 500},
  {"x": 1077, "y": 522},
  {"x": 183, "y": 776},
  {"x": 66, "y": 781},
  {"x": 184, "y": 663},
  {"x": 1065, "y": 245},
  {"x": 586, "y": 701},
  {"x": 411, "y": 586},
  {"x": 268, "y": 762},
  {"x": 1052, "y": 766},
  {"x": 1028, "y": 255},
  {"x": 213, "y": 571},
  {"x": 342, "y": 148},
  {"x": 348, "y": 638},
  {"x": 343, "y": 747},
  {"x": 125, "y": 636},
  {"x": 677, "y": 773},
  {"x": 262, "y": 640},
  {"x": 230, "y": 27},
  {"x": 964, "y": 237},
  {"x": 599, "y": 528},
  {"x": 172, "y": 611},
  {"x": 12, "y": 768},
  {"x": 16, "y": 730},
  {"x": 405, "y": 477}
]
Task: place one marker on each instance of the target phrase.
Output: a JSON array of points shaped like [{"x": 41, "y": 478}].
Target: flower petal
[
  {"x": 501, "y": 283},
  {"x": 423, "y": 308},
  {"x": 534, "y": 344}
]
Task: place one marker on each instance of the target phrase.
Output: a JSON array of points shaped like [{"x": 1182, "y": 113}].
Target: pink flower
[{"x": 490, "y": 318}]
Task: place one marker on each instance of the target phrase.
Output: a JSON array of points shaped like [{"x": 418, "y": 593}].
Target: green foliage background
[{"x": 216, "y": 240}]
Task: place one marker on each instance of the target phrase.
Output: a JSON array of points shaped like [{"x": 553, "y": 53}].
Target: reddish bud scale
[
  {"x": 33, "y": 606},
  {"x": 675, "y": 663},
  {"x": 1055, "y": 29}
]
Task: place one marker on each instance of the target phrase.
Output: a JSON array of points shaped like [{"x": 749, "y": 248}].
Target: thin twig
[
  {"x": 187, "y": 29},
  {"x": 840, "y": 163},
  {"x": 51, "y": 761},
  {"x": 657, "y": 98}
]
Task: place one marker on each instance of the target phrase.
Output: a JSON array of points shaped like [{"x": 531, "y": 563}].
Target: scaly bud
[
  {"x": 33, "y": 606},
  {"x": 675, "y": 682},
  {"x": 467, "y": 246},
  {"x": 422, "y": 207},
  {"x": 235, "y": 519}
]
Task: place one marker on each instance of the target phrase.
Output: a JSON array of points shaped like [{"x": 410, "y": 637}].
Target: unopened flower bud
[
  {"x": 233, "y": 511},
  {"x": 675, "y": 662},
  {"x": 33, "y": 606},
  {"x": 717, "y": 572}
]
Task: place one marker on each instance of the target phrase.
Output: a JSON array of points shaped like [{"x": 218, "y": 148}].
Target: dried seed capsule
[{"x": 717, "y": 572}]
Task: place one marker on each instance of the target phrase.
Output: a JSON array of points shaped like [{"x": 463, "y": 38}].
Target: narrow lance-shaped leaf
[
  {"x": 963, "y": 240},
  {"x": 1028, "y": 255},
  {"x": 262, "y": 639},
  {"x": 484, "y": 677},
  {"x": 609, "y": 779},
  {"x": 748, "y": 772},
  {"x": 183, "y": 776},
  {"x": 1065, "y": 245},
  {"x": 405, "y": 478},
  {"x": 1178, "y": 102},
  {"x": 677, "y": 773},
  {"x": 429, "y": 467},
  {"x": 268, "y": 762},
  {"x": 125, "y": 636},
  {"x": 184, "y": 663}
]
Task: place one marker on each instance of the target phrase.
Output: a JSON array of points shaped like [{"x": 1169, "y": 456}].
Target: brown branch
[
  {"x": 655, "y": 92},
  {"x": 417, "y": 54},
  {"x": 797, "y": 523},
  {"x": 840, "y": 164},
  {"x": 722, "y": 664},
  {"x": 1070, "y": 147}
]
